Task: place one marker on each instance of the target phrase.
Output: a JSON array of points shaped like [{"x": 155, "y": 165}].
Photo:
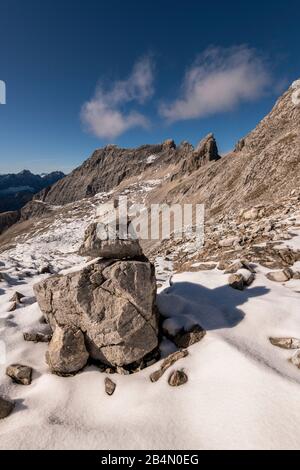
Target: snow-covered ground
[{"x": 242, "y": 392}]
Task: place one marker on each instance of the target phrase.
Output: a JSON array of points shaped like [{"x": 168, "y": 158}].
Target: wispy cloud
[
  {"x": 219, "y": 80},
  {"x": 104, "y": 115}
]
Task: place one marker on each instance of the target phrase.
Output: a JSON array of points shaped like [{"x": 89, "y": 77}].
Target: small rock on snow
[
  {"x": 178, "y": 377},
  {"x": 19, "y": 373}
]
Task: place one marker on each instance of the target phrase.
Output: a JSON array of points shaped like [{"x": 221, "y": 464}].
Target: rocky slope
[
  {"x": 264, "y": 167},
  {"x": 112, "y": 166},
  {"x": 106, "y": 169}
]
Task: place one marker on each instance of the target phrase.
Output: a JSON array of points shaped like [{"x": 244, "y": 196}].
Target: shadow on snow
[{"x": 211, "y": 308}]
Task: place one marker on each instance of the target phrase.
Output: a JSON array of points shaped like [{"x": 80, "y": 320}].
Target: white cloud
[
  {"x": 218, "y": 81},
  {"x": 104, "y": 116}
]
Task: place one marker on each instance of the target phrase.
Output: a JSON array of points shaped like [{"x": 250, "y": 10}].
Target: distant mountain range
[{"x": 17, "y": 189}]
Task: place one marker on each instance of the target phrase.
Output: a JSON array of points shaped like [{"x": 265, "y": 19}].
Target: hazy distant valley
[{"x": 17, "y": 189}]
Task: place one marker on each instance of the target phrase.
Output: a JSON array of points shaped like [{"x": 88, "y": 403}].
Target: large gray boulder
[
  {"x": 105, "y": 241},
  {"x": 112, "y": 302},
  {"x": 67, "y": 353}
]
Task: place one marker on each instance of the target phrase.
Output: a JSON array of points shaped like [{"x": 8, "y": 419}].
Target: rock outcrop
[
  {"x": 7, "y": 219},
  {"x": 111, "y": 303},
  {"x": 205, "y": 152}
]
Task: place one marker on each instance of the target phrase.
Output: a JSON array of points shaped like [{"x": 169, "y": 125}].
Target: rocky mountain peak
[
  {"x": 264, "y": 166},
  {"x": 208, "y": 147},
  {"x": 205, "y": 152},
  {"x": 282, "y": 124},
  {"x": 169, "y": 144}
]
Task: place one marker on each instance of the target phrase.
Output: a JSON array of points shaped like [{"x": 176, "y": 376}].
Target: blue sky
[{"x": 81, "y": 74}]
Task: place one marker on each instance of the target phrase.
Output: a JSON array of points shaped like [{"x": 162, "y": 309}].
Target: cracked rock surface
[{"x": 111, "y": 302}]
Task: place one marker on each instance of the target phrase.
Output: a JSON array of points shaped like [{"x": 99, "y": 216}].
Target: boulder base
[{"x": 67, "y": 353}]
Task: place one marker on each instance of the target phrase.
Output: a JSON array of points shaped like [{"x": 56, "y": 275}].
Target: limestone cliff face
[{"x": 105, "y": 169}]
